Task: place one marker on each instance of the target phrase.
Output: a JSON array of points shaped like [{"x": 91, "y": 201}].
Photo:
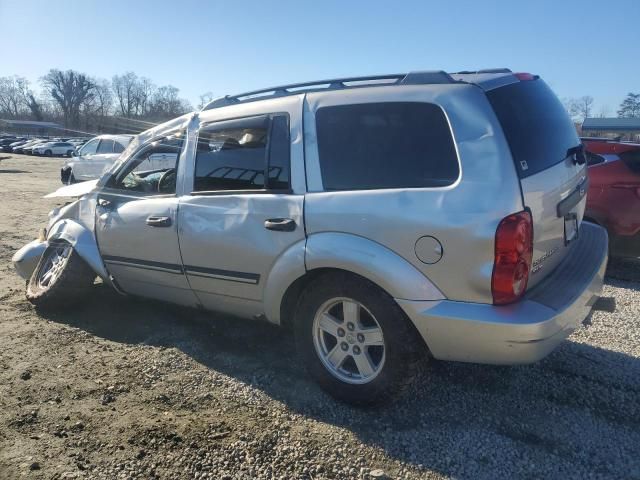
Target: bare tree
[
  {"x": 70, "y": 90},
  {"x": 167, "y": 103},
  {"x": 143, "y": 94},
  {"x": 579, "y": 108},
  {"x": 14, "y": 96},
  {"x": 205, "y": 98},
  {"x": 103, "y": 98},
  {"x": 36, "y": 108},
  {"x": 124, "y": 88},
  {"x": 605, "y": 111}
]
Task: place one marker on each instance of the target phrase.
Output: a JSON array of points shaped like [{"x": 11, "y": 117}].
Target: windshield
[{"x": 535, "y": 123}]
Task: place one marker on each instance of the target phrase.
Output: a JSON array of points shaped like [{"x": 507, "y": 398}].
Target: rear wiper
[{"x": 577, "y": 152}]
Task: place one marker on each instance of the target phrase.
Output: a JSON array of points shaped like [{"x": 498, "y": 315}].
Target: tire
[
  {"x": 48, "y": 153},
  {"x": 69, "y": 153},
  {"x": 388, "y": 368},
  {"x": 68, "y": 284}
]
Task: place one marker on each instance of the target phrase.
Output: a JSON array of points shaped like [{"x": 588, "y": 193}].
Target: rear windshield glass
[
  {"x": 385, "y": 145},
  {"x": 536, "y": 125}
]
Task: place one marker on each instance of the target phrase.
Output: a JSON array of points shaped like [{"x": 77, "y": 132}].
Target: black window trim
[
  {"x": 231, "y": 123},
  {"x": 451, "y": 132}
]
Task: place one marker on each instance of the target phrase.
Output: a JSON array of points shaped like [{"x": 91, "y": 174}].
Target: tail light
[
  {"x": 524, "y": 77},
  {"x": 513, "y": 254}
]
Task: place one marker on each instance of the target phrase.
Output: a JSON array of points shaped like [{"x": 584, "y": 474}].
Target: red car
[{"x": 613, "y": 200}]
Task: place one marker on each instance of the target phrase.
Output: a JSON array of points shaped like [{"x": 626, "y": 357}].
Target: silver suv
[{"x": 380, "y": 218}]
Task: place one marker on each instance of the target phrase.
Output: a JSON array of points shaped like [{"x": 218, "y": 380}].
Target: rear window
[
  {"x": 385, "y": 145},
  {"x": 535, "y": 123}
]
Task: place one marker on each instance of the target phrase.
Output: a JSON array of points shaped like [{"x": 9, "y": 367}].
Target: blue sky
[{"x": 579, "y": 47}]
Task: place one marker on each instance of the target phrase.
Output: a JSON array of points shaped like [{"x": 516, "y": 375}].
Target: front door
[
  {"x": 136, "y": 225},
  {"x": 241, "y": 214}
]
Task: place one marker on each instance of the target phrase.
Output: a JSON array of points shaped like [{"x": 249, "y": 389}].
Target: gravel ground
[{"x": 123, "y": 388}]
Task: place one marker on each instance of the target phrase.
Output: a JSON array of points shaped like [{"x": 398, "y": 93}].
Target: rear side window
[
  {"x": 385, "y": 145},
  {"x": 117, "y": 147},
  {"x": 106, "y": 146},
  {"x": 535, "y": 123}
]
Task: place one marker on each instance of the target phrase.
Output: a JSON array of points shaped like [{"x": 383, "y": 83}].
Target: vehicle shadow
[
  {"x": 551, "y": 419},
  {"x": 13, "y": 170}
]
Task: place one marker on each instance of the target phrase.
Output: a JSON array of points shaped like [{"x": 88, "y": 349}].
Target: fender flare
[
  {"x": 371, "y": 260},
  {"x": 83, "y": 242},
  {"x": 341, "y": 251}
]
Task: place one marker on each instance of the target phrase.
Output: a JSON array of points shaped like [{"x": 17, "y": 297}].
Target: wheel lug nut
[
  {"x": 360, "y": 338},
  {"x": 344, "y": 346},
  {"x": 356, "y": 350},
  {"x": 341, "y": 332},
  {"x": 351, "y": 326}
]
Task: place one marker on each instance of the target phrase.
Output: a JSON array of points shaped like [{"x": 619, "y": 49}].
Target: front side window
[
  {"x": 106, "y": 146},
  {"x": 152, "y": 169},
  {"x": 90, "y": 147},
  {"x": 250, "y": 154},
  {"x": 385, "y": 145}
]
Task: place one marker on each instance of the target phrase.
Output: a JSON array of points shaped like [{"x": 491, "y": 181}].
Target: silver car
[{"x": 382, "y": 219}]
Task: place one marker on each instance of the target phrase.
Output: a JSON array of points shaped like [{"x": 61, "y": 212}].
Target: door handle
[
  {"x": 280, "y": 224},
  {"x": 154, "y": 221}
]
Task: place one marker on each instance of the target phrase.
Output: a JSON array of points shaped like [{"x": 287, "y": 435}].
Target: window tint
[
  {"x": 537, "y": 127},
  {"x": 117, "y": 147},
  {"x": 90, "y": 147},
  {"x": 232, "y": 159},
  {"x": 152, "y": 170},
  {"x": 106, "y": 146},
  {"x": 385, "y": 145}
]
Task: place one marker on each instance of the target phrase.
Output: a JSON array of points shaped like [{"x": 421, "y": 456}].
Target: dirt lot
[{"x": 125, "y": 388}]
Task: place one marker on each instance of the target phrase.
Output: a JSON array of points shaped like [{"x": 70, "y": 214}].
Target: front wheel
[
  {"x": 61, "y": 278},
  {"x": 48, "y": 153},
  {"x": 69, "y": 153},
  {"x": 355, "y": 340}
]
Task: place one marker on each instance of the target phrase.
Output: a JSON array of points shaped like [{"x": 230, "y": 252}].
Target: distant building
[
  {"x": 623, "y": 128},
  {"x": 30, "y": 128}
]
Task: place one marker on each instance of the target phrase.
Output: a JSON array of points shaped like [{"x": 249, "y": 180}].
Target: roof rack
[
  {"x": 485, "y": 70},
  {"x": 411, "y": 78}
]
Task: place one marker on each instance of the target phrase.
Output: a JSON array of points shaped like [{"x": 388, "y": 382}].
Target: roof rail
[
  {"x": 411, "y": 78},
  {"x": 485, "y": 70}
]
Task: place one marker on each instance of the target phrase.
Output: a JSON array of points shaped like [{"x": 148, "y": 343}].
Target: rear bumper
[{"x": 526, "y": 331}]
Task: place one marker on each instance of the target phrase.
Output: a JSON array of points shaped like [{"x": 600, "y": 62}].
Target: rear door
[
  {"x": 553, "y": 177},
  {"x": 241, "y": 215}
]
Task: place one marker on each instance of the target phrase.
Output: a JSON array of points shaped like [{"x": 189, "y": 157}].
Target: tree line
[
  {"x": 582, "y": 107},
  {"x": 130, "y": 102},
  {"x": 84, "y": 103}
]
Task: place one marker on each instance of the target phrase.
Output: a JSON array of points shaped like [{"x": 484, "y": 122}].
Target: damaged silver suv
[{"x": 380, "y": 218}]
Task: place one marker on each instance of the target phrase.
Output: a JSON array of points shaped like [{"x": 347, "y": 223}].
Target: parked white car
[
  {"x": 94, "y": 157},
  {"x": 54, "y": 148}
]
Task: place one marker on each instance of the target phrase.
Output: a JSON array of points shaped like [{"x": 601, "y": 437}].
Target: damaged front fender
[{"x": 83, "y": 242}]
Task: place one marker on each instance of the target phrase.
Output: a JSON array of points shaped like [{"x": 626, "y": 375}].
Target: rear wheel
[
  {"x": 355, "y": 340},
  {"x": 48, "y": 153},
  {"x": 61, "y": 278}
]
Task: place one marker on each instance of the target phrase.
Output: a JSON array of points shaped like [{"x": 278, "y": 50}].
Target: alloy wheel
[{"x": 348, "y": 340}]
